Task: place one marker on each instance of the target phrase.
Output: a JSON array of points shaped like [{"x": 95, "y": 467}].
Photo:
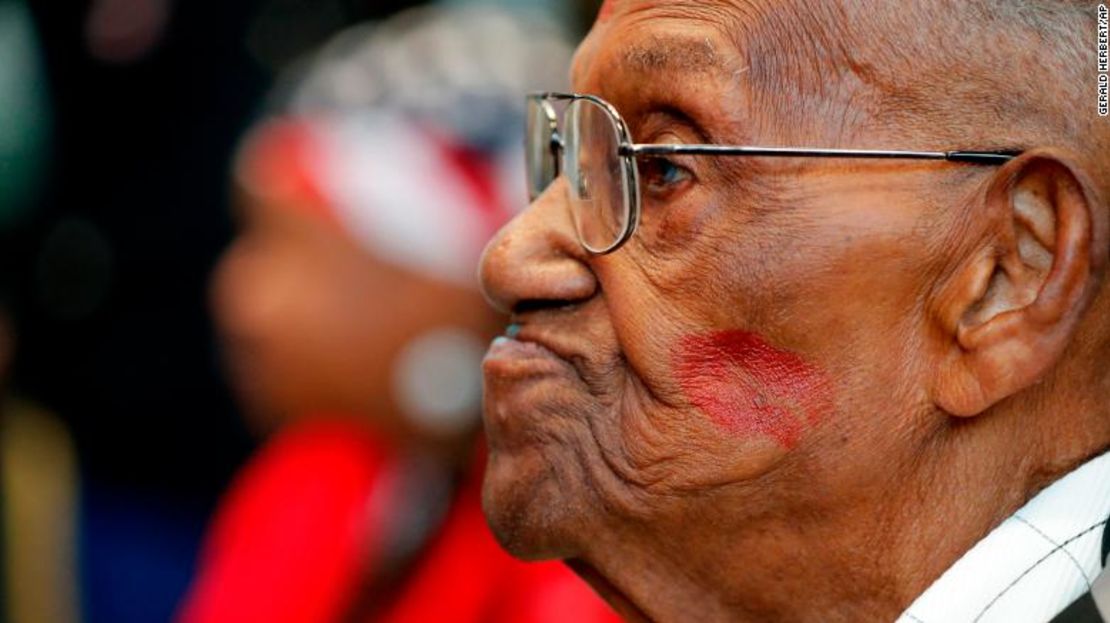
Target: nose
[{"x": 536, "y": 261}]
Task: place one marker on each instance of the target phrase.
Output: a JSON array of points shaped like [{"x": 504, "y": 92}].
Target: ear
[{"x": 1011, "y": 311}]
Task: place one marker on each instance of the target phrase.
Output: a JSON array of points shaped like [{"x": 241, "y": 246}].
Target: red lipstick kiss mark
[{"x": 749, "y": 387}]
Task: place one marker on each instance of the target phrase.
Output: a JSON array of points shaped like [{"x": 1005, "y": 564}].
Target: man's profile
[{"x": 816, "y": 385}]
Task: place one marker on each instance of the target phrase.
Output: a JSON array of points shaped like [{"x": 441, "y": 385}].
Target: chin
[
  {"x": 536, "y": 489},
  {"x": 529, "y": 509}
]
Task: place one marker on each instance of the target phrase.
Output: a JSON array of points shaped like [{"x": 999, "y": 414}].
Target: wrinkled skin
[{"x": 603, "y": 446}]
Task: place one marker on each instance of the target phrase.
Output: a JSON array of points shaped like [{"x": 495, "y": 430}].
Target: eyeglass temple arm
[{"x": 972, "y": 157}]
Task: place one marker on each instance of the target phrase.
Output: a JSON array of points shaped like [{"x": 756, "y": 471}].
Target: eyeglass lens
[
  {"x": 594, "y": 172},
  {"x": 540, "y": 154},
  {"x": 594, "y": 168}
]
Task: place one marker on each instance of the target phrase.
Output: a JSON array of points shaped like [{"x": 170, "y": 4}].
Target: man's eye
[{"x": 660, "y": 176}]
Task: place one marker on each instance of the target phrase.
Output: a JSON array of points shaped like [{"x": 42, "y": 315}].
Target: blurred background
[{"x": 120, "y": 125}]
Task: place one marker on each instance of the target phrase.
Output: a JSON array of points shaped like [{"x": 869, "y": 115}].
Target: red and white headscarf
[
  {"x": 409, "y": 134},
  {"x": 411, "y": 195}
]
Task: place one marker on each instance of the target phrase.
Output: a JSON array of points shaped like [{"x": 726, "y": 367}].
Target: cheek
[{"x": 749, "y": 388}]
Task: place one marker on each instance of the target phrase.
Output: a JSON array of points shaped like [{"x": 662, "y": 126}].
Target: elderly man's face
[{"x": 760, "y": 327}]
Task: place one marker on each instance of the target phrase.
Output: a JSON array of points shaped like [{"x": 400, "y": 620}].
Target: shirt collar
[{"x": 1034, "y": 564}]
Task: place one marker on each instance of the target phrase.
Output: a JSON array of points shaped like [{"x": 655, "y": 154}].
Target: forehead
[
  {"x": 647, "y": 36},
  {"x": 644, "y": 55},
  {"x": 782, "y": 65}
]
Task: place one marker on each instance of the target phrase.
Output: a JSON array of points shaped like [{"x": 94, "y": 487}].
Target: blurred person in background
[{"x": 353, "y": 328}]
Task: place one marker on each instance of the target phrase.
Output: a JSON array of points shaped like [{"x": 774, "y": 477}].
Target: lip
[{"x": 509, "y": 358}]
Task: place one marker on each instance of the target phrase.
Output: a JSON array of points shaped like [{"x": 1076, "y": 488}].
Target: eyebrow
[{"x": 675, "y": 55}]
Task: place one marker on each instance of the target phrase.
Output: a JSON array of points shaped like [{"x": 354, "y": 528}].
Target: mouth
[
  {"x": 535, "y": 376},
  {"x": 514, "y": 359},
  {"x": 523, "y": 379}
]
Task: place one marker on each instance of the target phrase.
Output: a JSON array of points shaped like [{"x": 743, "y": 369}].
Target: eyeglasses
[{"x": 596, "y": 153}]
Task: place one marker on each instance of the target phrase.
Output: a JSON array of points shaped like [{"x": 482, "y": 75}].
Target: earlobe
[{"x": 1015, "y": 306}]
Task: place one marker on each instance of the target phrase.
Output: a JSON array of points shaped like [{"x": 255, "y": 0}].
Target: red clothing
[{"x": 302, "y": 525}]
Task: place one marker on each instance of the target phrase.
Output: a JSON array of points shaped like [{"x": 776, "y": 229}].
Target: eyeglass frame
[{"x": 629, "y": 151}]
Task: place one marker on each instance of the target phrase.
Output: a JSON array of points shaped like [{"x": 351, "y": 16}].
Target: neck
[{"x": 850, "y": 545}]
